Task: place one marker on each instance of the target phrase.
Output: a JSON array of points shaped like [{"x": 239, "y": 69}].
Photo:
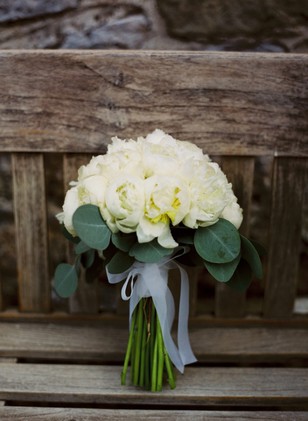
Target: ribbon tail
[{"x": 185, "y": 350}]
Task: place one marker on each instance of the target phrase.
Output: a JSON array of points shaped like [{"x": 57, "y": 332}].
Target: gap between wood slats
[
  {"x": 80, "y": 414},
  {"x": 199, "y": 386},
  {"x": 240, "y": 172},
  {"x": 31, "y": 232},
  {"x": 288, "y": 182}
]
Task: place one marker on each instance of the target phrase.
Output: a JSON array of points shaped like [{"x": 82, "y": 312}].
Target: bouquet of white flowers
[{"x": 153, "y": 201}]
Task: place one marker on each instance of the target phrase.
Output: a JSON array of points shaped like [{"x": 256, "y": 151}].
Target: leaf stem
[{"x": 138, "y": 344}]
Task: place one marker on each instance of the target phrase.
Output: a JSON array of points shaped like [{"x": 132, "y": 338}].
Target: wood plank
[
  {"x": 231, "y": 103},
  {"x": 31, "y": 232},
  {"x": 240, "y": 172},
  {"x": 199, "y": 386},
  {"x": 288, "y": 183},
  {"x": 107, "y": 342},
  {"x": 9, "y": 413}
]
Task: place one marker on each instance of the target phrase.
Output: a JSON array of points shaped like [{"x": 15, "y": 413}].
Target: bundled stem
[{"x": 146, "y": 352}]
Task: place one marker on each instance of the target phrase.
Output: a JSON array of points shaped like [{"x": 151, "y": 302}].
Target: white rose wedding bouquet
[{"x": 155, "y": 202}]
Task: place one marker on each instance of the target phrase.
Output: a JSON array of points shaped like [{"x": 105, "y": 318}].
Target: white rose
[
  {"x": 233, "y": 213},
  {"x": 166, "y": 200},
  {"x": 210, "y": 190},
  {"x": 71, "y": 203},
  {"x": 124, "y": 204},
  {"x": 91, "y": 190}
]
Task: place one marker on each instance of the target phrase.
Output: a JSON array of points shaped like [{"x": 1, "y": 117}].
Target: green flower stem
[
  {"x": 138, "y": 344},
  {"x": 147, "y": 368},
  {"x": 169, "y": 368},
  {"x": 154, "y": 366},
  {"x": 160, "y": 357},
  {"x": 143, "y": 345},
  {"x": 128, "y": 350},
  {"x": 152, "y": 333}
]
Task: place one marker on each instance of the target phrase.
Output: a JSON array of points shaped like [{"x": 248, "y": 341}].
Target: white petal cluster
[{"x": 150, "y": 184}]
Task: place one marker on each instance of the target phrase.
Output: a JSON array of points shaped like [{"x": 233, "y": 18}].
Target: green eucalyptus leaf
[
  {"x": 87, "y": 259},
  {"x": 120, "y": 262},
  {"x": 68, "y": 235},
  {"x": 250, "y": 254},
  {"x": 66, "y": 280},
  {"x": 242, "y": 277},
  {"x": 223, "y": 272},
  {"x": 81, "y": 247},
  {"x": 123, "y": 242},
  {"x": 150, "y": 252},
  {"x": 183, "y": 235},
  {"x": 218, "y": 243},
  {"x": 260, "y": 249},
  {"x": 91, "y": 227}
]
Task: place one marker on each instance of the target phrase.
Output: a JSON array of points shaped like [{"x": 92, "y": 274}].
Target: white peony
[
  {"x": 124, "y": 204},
  {"x": 151, "y": 184}
]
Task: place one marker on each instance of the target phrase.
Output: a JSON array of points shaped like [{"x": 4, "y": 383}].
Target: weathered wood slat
[
  {"x": 108, "y": 343},
  {"x": 31, "y": 232},
  {"x": 289, "y": 177},
  {"x": 80, "y": 414},
  {"x": 199, "y": 386},
  {"x": 240, "y": 172},
  {"x": 231, "y": 103}
]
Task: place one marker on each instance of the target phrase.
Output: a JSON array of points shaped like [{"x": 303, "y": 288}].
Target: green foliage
[
  {"x": 150, "y": 252},
  {"x": 123, "y": 242},
  {"x": 87, "y": 259},
  {"x": 120, "y": 262},
  {"x": 91, "y": 227},
  {"x": 81, "y": 247},
  {"x": 250, "y": 254},
  {"x": 223, "y": 272},
  {"x": 68, "y": 235},
  {"x": 66, "y": 280},
  {"x": 183, "y": 235},
  {"x": 218, "y": 243},
  {"x": 242, "y": 277}
]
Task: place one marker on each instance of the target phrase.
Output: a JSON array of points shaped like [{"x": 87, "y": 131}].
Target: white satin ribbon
[{"x": 151, "y": 280}]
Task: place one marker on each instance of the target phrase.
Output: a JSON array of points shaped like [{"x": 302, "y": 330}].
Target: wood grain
[
  {"x": 199, "y": 386},
  {"x": 31, "y": 232},
  {"x": 227, "y": 103},
  {"x": 10, "y": 413},
  {"x": 288, "y": 183},
  {"x": 108, "y": 342}
]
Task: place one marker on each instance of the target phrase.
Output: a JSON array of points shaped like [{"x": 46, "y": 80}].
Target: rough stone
[
  {"x": 266, "y": 25},
  {"x": 14, "y": 10}
]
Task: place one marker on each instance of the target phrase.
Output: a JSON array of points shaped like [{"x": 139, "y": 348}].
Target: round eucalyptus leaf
[
  {"x": 81, "y": 247},
  {"x": 120, "y": 262},
  {"x": 150, "y": 252},
  {"x": 123, "y": 242},
  {"x": 66, "y": 280},
  {"x": 222, "y": 272},
  {"x": 87, "y": 259},
  {"x": 91, "y": 227},
  {"x": 68, "y": 235},
  {"x": 250, "y": 254},
  {"x": 242, "y": 277},
  {"x": 218, "y": 243}
]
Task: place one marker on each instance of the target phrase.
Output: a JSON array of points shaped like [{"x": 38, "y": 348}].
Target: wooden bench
[{"x": 60, "y": 359}]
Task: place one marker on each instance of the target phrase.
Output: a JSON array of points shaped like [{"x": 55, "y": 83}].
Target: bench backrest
[{"x": 239, "y": 106}]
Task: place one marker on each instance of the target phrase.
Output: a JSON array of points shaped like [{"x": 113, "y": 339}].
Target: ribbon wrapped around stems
[{"x": 151, "y": 280}]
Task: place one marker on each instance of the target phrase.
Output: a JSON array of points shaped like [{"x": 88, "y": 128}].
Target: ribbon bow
[{"x": 151, "y": 280}]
